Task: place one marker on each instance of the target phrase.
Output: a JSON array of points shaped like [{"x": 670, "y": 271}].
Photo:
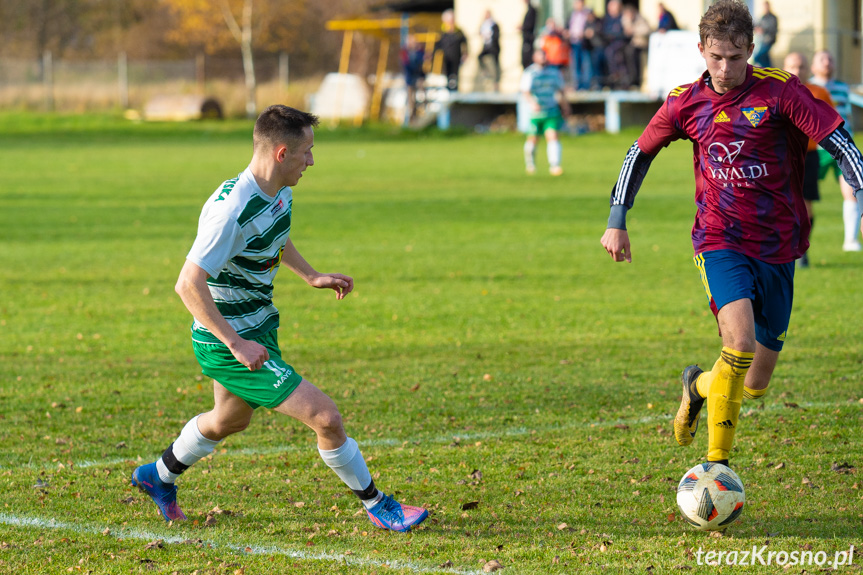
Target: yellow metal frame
[{"x": 384, "y": 29}]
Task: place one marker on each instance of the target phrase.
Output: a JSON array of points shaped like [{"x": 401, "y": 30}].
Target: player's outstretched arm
[
  {"x": 192, "y": 289},
  {"x": 615, "y": 240},
  {"x": 616, "y": 243},
  {"x": 339, "y": 283}
]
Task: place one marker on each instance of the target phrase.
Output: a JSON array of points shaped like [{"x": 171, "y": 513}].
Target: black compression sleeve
[
  {"x": 632, "y": 174},
  {"x": 841, "y": 146}
]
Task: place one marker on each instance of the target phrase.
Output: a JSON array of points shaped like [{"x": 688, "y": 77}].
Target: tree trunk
[
  {"x": 249, "y": 61},
  {"x": 244, "y": 37}
]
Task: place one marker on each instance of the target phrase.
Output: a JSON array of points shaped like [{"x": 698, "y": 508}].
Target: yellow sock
[
  {"x": 749, "y": 393},
  {"x": 723, "y": 401},
  {"x": 702, "y": 384}
]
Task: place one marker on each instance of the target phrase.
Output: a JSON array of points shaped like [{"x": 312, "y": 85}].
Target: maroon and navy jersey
[{"x": 748, "y": 154}]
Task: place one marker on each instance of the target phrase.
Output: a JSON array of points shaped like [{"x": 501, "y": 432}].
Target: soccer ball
[{"x": 710, "y": 496}]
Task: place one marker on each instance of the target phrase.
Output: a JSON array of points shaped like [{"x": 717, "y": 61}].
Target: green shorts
[
  {"x": 265, "y": 387},
  {"x": 539, "y": 125},
  {"x": 827, "y": 164}
]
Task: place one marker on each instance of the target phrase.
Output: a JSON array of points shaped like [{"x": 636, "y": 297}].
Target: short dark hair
[
  {"x": 280, "y": 124},
  {"x": 727, "y": 20}
]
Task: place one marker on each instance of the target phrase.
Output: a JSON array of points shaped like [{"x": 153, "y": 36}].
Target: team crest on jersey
[
  {"x": 754, "y": 115},
  {"x": 721, "y": 117},
  {"x": 277, "y": 208}
]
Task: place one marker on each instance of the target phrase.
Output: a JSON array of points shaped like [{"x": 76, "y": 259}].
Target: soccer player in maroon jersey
[{"x": 749, "y": 127}]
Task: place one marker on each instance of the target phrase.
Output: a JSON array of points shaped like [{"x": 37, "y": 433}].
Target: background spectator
[
  {"x": 412, "y": 56},
  {"x": 637, "y": 30},
  {"x": 453, "y": 44},
  {"x": 615, "y": 46},
  {"x": 528, "y": 35},
  {"x": 555, "y": 46},
  {"x": 823, "y": 71},
  {"x": 489, "y": 31},
  {"x": 766, "y": 28},
  {"x": 795, "y": 63},
  {"x": 666, "y": 19},
  {"x": 594, "y": 45},
  {"x": 579, "y": 57}
]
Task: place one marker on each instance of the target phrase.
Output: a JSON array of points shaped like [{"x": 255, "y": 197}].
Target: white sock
[
  {"x": 851, "y": 217},
  {"x": 554, "y": 152},
  {"x": 349, "y": 465},
  {"x": 189, "y": 448},
  {"x": 529, "y": 152}
]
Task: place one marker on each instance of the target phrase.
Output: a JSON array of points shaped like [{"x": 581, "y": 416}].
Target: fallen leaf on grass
[
  {"x": 493, "y": 565},
  {"x": 779, "y": 466},
  {"x": 469, "y": 505},
  {"x": 195, "y": 542},
  {"x": 157, "y": 544},
  {"x": 842, "y": 468},
  {"x": 210, "y": 520},
  {"x": 445, "y": 565}
]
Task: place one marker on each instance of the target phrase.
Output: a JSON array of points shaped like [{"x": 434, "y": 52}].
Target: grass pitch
[{"x": 493, "y": 363}]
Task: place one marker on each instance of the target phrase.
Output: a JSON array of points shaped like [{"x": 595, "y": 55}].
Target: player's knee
[
  {"x": 739, "y": 341},
  {"x": 226, "y": 427},
  {"x": 328, "y": 421}
]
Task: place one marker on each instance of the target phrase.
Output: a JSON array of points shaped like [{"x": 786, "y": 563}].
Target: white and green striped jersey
[
  {"x": 241, "y": 235},
  {"x": 840, "y": 93},
  {"x": 544, "y": 82}
]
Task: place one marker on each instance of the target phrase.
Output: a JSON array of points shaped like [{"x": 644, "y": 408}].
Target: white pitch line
[
  {"x": 388, "y": 442},
  {"x": 126, "y": 533}
]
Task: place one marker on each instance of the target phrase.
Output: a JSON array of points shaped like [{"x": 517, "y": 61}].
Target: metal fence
[{"x": 75, "y": 86}]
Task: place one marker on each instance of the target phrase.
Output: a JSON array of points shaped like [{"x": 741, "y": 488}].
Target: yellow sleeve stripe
[
  {"x": 678, "y": 91},
  {"x": 775, "y": 73}
]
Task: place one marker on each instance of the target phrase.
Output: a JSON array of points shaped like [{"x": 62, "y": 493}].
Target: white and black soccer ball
[{"x": 710, "y": 496}]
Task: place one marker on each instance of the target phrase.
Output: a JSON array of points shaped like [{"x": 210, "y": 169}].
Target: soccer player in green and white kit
[
  {"x": 542, "y": 87},
  {"x": 227, "y": 285}
]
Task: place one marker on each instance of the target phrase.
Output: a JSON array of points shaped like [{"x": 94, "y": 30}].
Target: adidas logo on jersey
[
  {"x": 721, "y": 117},
  {"x": 726, "y": 424}
]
